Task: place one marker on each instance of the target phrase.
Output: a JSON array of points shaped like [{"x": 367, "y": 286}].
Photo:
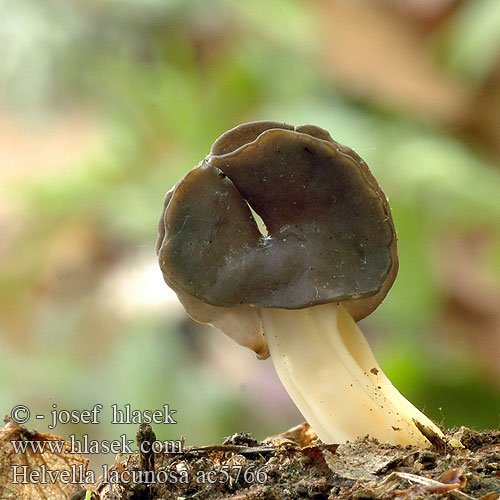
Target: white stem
[{"x": 329, "y": 370}]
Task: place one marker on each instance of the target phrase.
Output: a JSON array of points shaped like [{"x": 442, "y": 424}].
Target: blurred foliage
[
  {"x": 472, "y": 40},
  {"x": 156, "y": 82}
]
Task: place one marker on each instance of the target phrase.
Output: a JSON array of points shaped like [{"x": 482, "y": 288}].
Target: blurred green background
[{"x": 105, "y": 104}]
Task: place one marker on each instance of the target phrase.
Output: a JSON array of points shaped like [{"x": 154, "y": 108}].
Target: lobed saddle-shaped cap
[{"x": 328, "y": 237}]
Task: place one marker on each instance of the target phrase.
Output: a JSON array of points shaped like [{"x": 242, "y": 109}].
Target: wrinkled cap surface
[{"x": 330, "y": 235}]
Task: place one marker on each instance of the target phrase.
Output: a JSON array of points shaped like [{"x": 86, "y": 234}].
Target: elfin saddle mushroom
[{"x": 282, "y": 239}]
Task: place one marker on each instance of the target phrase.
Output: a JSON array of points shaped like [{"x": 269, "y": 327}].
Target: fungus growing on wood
[{"x": 282, "y": 239}]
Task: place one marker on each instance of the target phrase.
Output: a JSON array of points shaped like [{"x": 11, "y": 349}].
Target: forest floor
[
  {"x": 295, "y": 465},
  {"x": 464, "y": 465}
]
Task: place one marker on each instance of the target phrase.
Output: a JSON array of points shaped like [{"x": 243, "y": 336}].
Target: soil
[
  {"x": 465, "y": 464},
  {"x": 296, "y": 465}
]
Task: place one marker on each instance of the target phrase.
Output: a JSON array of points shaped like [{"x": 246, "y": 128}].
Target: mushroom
[{"x": 282, "y": 239}]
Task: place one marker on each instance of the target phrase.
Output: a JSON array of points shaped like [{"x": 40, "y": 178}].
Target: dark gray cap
[{"x": 330, "y": 235}]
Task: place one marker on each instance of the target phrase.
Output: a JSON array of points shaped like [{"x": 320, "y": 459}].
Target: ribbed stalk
[{"x": 331, "y": 374}]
